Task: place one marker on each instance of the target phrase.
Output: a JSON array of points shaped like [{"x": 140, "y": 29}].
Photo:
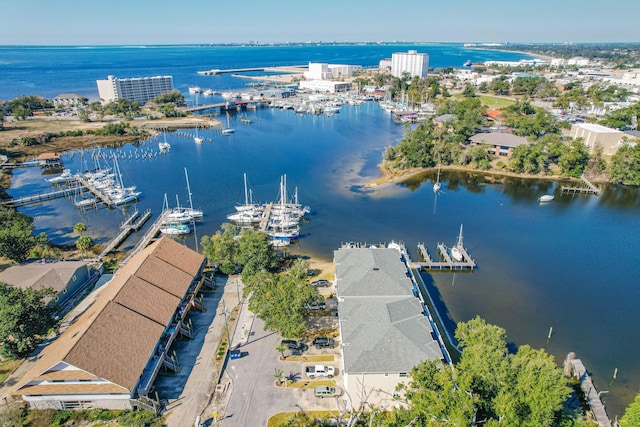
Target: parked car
[
  {"x": 316, "y": 305},
  {"x": 322, "y": 283},
  {"x": 294, "y": 345},
  {"x": 315, "y": 371},
  {"x": 323, "y": 342},
  {"x": 323, "y": 391},
  {"x": 236, "y": 354}
]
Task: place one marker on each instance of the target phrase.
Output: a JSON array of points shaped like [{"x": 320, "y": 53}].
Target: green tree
[
  {"x": 280, "y": 300},
  {"x": 254, "y": 253},
  {"x": 468, "y": 91},
  {"x": 220, "y": 249},
  {"x": 1, "y": 119},
  {"x": 480, "y": 159},
  {"x": 574, "y": 159},
  {"x": 631, "y": 417},
  {"x": 25, "y": 317},
  {"x": 16, "y": 238},
  {"x": 79, "y": 228},
  {"x": 625, "y": 166},
  {"x": 84, "y": 243}
]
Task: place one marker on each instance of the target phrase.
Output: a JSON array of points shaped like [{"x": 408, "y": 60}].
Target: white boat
[
  {"x": 437, "y": 185},
  {"x": 83, "y": 203},
  {"x": 65, "y": 176},
  {"x": 164, "y": 146},
  {"x": 228, "y": 130},
  {"x": 194, "y": 89},
  {"x": 279, "y": 243},
  {"x": 175, "y": 229},
  {"x": 456, "y": 250},
  {"x": 198, "y": 139},
  {"x": 546, "y": 198},
  {"x": 194, "y": 213}
]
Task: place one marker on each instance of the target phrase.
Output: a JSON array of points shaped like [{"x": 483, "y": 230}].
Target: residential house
[
  {"x": 498, "y": 143},
  {"x": 66, "y": 278}
]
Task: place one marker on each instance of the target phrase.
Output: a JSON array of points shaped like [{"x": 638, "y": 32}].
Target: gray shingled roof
[
  {"x": 499, "y": 138},
  {"x": 38, "y": 275},
  {"x": 382, "y": 326}
]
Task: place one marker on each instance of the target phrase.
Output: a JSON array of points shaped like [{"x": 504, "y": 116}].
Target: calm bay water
[{"x": 569, "y": 264}]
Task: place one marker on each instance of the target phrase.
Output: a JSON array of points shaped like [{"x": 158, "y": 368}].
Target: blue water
[
  {"x": 569, "y": 264},
  {"x": 49, "y": 71}
]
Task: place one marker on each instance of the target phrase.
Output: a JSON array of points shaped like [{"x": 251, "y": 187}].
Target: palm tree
[
  {"x": 279, "y": 375},
  {"x": 79, "y": 228},
  {"x": 282, "y": 348},
  {"x": 84, "y": 243}
]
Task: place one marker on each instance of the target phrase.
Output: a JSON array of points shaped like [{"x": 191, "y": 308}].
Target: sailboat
[
  {"x": 437, "y": 185},
  {"x": 456, "y": 250},
  {"x": 197, "y": 138},
  {"x": 228, "y": 130},
  {"x": 164, "y": 146},
  {"x": 194, "y": 213}
]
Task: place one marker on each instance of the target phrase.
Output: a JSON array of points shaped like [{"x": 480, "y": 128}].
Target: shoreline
[
  {"x": 391, "y": 177},
  {"x": 523, "y": 52}
]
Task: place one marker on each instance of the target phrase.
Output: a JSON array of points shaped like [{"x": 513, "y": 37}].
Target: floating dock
[{"x": 447, "y": 262}]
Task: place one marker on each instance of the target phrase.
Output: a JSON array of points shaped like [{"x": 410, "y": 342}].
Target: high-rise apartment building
[
  {"x": 140, "y": 89},
  {"x": 412, "y": 62}
]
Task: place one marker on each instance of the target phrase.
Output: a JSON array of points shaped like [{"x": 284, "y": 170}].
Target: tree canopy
[
  {"x": 25, "y": 317},
  {"x": 16, "y": 238},
  {"x": 625, "y": 166}
]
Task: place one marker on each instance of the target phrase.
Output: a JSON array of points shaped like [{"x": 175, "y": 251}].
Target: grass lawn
[
  {"x": 283, "y": 417},
  {"x": 308, "y": 384},
  {"x": 490, "y": 101},
  {"x": 6, "y": 368},
  {"x": 312, "y": 358}
]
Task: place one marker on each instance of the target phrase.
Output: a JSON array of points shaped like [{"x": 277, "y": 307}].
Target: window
[{"x": 402, "y": 375}]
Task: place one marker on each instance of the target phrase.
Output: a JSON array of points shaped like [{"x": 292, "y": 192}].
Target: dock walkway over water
[
  {"x": 448, "y": 263},
  {"x": 37, "y": 198},
  {"x": 589, "y": 189},
  {"x": 148, "y": 237},
  {"x": 128, "y": 227},
  {"x": 579, "y": 371}
]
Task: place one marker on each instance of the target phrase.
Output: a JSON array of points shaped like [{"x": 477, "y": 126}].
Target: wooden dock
[
  {"x": 448, "y": 263},
  {"x": 591, "y": 395},
  {"x": 126, "y": 228},
  {"x": 148, "y": 236},
  {"x": 589, "y": 189},
  {"x": 264, "y": 222},
  {"x": 37, "y": 198}
]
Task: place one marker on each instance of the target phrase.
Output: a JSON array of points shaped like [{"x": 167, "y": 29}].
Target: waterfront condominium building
[
  {"x": 411, "y": 62},
  {"x": 140, "y": 89}
]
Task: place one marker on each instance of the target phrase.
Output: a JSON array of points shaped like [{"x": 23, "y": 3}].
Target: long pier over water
[{"x": 448, "y": 263}]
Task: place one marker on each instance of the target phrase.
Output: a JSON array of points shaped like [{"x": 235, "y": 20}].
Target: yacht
[{"x": 546, "y": 198}]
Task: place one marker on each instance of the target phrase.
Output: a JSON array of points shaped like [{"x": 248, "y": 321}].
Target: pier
[
  {"x": 448, "y": 263},
  {"x": 126, "y": 228},
  {"x": 589, "y": 189},
  {"x": 151, "y": 233},
  {"x": 264, "y": 221},
  {"x": 293, "y": 69},
  {"x": 37, "y": 198},
  {"x": 576, "y": 368}
]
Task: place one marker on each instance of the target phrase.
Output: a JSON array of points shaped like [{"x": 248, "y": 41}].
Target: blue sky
[{"x": 216, "y": 21}]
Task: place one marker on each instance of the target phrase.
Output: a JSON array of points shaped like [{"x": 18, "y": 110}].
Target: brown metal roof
[
  {"x": 165, "y": 276},
  {"x": 179, "y": 256},
  {"x": 76, "y": 388},
  {"x": 117, "y": 346},
  {"x": 115, "y": 336},
  {"x": 137, "y": 294},
  {"x": 67, "y": 374}
]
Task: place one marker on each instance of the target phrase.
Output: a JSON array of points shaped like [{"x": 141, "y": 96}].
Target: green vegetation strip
[
  {"x": 307, "y": 384},
  {"x": 283, "y": 417},
  {"x": 7, "y": 367},
  {"x": 318, "y": 358}
]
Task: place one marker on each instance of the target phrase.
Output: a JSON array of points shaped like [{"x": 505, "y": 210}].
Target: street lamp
[{"x": 226, "y": 322}]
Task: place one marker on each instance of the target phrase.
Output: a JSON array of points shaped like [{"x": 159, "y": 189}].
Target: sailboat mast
[
  {"x": 188, "y": 189},
  {"x": 246, "y": 196}
]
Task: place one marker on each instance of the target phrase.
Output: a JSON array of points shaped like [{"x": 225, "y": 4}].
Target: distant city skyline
[{"x": 81, "y": 22}]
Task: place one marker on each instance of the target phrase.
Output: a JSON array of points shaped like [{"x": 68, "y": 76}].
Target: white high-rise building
[
  {"x": 412, "y": 62},
  {"x": 140, "y": 89}
]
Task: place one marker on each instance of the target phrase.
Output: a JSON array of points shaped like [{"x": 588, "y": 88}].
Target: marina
[{"x": 128, "y": 227}]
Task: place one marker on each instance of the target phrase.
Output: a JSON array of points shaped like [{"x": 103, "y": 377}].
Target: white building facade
[
  {"x": 414, "y": 63},
  {"x": 323, "y": 71},
  {"x": 326, "y": 86},
  {"x": 141, "y": 89}
]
